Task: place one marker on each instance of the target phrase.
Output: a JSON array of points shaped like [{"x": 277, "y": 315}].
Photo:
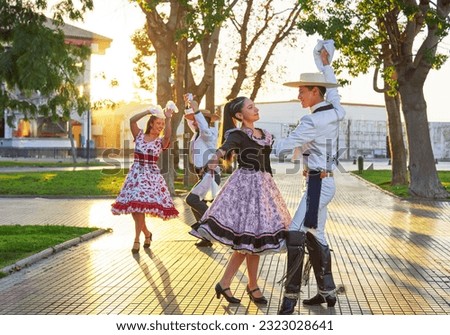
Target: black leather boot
[
  {"x": 319, "y": 299},
  {"x": 295, "y": 243},
  {"x": 287, "y": 306},
  {"x": 320, "y": 258}
]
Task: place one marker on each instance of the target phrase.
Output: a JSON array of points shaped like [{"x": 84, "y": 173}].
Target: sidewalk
[{"x": 390, "y": 256}]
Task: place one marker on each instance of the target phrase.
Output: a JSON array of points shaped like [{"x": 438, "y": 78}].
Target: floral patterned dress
[
  {"x": 249, "y": 213},
  {"x": 144, "y": 189}
]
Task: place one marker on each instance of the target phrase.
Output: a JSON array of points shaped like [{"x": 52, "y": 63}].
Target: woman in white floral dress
[{"x": 144, "y": 191}]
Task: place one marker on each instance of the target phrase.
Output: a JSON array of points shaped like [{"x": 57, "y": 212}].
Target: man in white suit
[
  {"x": 316, "y": 136},
  {"x": 203, "y": 144}
]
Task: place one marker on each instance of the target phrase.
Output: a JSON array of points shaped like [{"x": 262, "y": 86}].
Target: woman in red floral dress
[{"x": 144, "y": 191}]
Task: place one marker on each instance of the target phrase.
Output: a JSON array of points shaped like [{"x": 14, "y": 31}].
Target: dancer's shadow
[
  {"x": 317, "y": 310},
  {"x": 241, "y": 276},
  {"x": 166, "y": 297}
]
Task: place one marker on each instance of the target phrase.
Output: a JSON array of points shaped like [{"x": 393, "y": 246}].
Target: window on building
[
  {"x": 40, "y": 127},
  {"x": 23, "y": 129},
  {"x": 46, "y": 127}
]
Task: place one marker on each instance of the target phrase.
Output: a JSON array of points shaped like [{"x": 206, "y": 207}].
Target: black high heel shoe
[
  {"x": 260, "y": 300},
  {"x": 135, "y": 249},
  {"x": 221, "y": 291},
  {"x": 319, "y": 299},
  {"x": 148, "y": 241}
]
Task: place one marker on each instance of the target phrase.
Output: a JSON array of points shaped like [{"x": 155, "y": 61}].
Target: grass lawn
[
  {"x": 382, "y": 178},
  {"x": 45, "y": 164},
  {"x": 18, "y": 242},
  {"x": 105, "y": 182}
]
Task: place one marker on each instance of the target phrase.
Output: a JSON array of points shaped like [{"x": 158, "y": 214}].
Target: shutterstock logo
[{"x": 120, "y": 160}]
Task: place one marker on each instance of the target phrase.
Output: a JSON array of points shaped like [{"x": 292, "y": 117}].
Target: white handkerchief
[
  {"x": 157, "y": 111},
  {"x": 329, "y": 46},
  {"x": 207, "y": 188},
  {"x": 171, "y": 105}
]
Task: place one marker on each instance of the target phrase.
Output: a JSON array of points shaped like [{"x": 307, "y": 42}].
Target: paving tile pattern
[{"x": 389, "y": 257}]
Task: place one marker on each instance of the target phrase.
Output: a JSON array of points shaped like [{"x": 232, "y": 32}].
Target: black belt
[
  {"x": 255, "y": 169},
  {"x": 321, "y": 173}
]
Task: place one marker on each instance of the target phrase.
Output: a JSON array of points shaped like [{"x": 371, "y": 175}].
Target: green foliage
[
  {"x": 203, "y": 18},
  {"x": 177, "y": 21},
  {"x": 353, "y": 33},
  {"x": 389, "y": 78},
  {"x": 38, "y": 70},
  {"x": 361, "y": 28},
  {"x": 438, "y": 61},
  {"x": 145, "y": 53}
]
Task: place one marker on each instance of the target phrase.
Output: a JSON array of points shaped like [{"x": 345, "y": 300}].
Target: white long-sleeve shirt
[
  {"x": 204, "y": 145},
  {"x": 317, "y": 133}
]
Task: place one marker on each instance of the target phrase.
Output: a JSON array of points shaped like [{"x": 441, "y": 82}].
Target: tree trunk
[
  {"x": 424, "y": 181},
  {"x": 181, "y": 85},
  {"x": 396, "y": 143},
  {"x": 164, "y": 94},
  {"x": 72, "y": 142}
]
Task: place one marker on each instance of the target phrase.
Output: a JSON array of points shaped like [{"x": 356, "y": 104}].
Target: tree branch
[{"x": 375, "y": 81}]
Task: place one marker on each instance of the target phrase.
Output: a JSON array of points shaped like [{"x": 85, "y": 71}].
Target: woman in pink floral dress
[{"x": 144, "y": 191}]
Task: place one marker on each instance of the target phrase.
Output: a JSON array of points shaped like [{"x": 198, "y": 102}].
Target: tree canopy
[
  {"x": 404, "y": 35},
  {"x": 38, "y": 69},
  {"x": 181, "y": 38}
]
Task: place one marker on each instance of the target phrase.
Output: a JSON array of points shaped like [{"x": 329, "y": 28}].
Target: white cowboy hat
[{"x": 311, "y": 79}]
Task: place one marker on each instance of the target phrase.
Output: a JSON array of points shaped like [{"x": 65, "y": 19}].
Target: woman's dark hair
[
  {"x": 149, "y": 124},
  {"x": 230, "y": 110}
]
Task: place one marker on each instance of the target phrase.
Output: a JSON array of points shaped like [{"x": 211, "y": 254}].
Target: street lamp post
[
  {"x": 85, "y": 91},
  {"x": 88, "y": 123},
  {"x": 88, "y": 144}
]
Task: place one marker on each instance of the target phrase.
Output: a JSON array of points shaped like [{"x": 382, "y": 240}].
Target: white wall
[
  {"x": 440, "y": 139},
  {"x": 363, "y": 131}
]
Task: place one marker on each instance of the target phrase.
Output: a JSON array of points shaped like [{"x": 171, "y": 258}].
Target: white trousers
[{"x": 326, "y": 195}]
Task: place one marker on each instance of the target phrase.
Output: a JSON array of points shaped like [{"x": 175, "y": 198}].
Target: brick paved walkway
[{"x": 391, "y": 256}]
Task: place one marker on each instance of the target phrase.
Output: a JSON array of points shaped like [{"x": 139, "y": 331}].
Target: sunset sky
[{"x": 118, "y": 19}]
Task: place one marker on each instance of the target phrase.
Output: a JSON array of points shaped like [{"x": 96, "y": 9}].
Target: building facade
[
  {"x": 363, "y": 132},
  {"x": 42, "y": 136}
]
